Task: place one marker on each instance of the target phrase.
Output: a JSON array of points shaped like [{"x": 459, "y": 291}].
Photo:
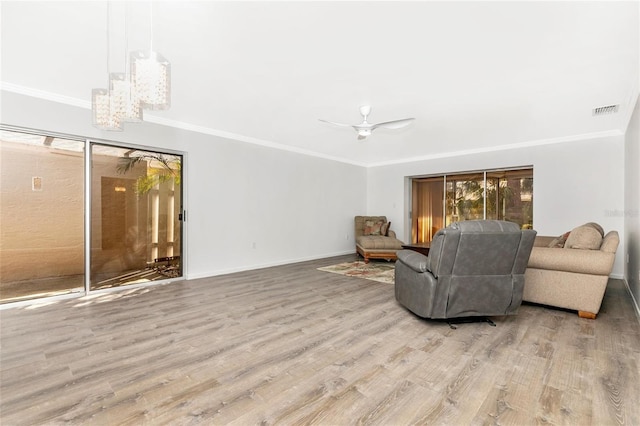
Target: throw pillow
[
  {"x": 584, "y": 237},
  {"x": 560, "y": 241},
  {"x": 372, "y": 228},
  {"x": 384, "y": 230}
]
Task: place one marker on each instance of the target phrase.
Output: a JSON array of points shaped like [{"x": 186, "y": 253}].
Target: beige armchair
[
  {"x": 571, "y": 275},
  {"x": 374, "y": 239}
]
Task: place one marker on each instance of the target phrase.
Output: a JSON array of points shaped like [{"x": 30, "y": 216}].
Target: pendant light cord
[
  {"x": 108, "y": 44},
  {"x": 150, "y": 26},
  {"x": 126, "y": 37}
]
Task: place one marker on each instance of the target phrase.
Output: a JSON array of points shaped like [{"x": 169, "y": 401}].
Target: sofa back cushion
[{"x": 587, "y": 236}]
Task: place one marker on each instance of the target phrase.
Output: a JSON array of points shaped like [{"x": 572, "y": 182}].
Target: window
[{"x": 438, "y": 201}]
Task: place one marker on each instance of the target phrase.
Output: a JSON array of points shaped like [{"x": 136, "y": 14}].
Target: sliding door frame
[
  {"x": 447, "y": 177},
  {"x": 88, "y": 148}
]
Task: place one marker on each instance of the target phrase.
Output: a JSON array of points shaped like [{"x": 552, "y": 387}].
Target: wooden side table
[{"x": 419, "y": 247}]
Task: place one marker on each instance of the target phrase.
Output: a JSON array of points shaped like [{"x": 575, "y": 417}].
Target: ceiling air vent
[{"x": 609, "y": 109}]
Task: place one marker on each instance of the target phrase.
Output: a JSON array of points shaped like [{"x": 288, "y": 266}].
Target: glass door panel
[
  {"x": 427, "y": 209},
  {"x": 136, "y": 226},
  {"x": 465, "y": 197},
  {"x": 42, "y": 216},
  {"x": 510, "y": 196}
]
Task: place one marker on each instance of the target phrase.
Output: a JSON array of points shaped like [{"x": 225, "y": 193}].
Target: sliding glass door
[
  {"x": 510, "y": 196},
  {"x": 134, "y": 215},
  {"x": 41, "y": 216},
  {"x": 438, "y": 201},
  {"x": 465, "y": 197},
  {"x": 427, "y": 208},
  {"x": 136, "y": 203}
]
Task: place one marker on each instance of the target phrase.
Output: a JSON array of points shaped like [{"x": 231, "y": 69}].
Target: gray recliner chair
[{"x": 474, "y": 269}]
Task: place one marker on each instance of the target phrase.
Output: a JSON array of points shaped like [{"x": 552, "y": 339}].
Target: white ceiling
[{"x": 475, "y": 75}]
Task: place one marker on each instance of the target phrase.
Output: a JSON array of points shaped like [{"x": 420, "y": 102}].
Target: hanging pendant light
[
  {"x": 126, "y": 104},
  {"x": 151, "y": 79},
  {"x": 151, "y": 74},
  {"x": 147, "y": 86},
  {"x": 102, "y": 103},
  {"x": 103, "y": 108}
]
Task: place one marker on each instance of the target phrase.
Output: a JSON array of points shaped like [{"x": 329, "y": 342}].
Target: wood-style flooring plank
[{"x": 291, "y": 345}]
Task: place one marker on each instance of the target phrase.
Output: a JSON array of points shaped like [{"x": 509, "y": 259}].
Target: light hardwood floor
[{"x": 293, "y": 345}]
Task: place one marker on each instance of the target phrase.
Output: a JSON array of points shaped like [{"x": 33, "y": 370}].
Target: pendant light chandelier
[
  {"x": 102, "y": 105},
  {"x": 150, "y": 78},
  {"x": 151, "y": 74},
  {"x": 147, "y": 85},
  {"x": 104, "y": 116},
  {"x": 126, "y": 101}
]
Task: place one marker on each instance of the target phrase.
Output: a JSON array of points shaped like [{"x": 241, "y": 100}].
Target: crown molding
[
  {"x": 43, "y": 94},
  {"x": 67, "y": 100},
  {"x": 497, "y": 148},
  {"x": 248, "y": 139}
]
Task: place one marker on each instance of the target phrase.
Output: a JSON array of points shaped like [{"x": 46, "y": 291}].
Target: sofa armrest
[
  {"x": 391, "y": 234},
  {"x": 594, "y": 262},
  {"x": 414, "y": 260}
]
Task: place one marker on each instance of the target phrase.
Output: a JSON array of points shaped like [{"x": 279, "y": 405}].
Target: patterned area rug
[{"x": 376, "y": 271}]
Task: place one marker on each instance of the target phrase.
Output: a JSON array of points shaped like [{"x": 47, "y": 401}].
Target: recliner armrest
[{"x": 416, "y": 261}]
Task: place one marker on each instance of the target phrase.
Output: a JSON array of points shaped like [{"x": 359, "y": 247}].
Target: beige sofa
[
  {"x": 571, "y": 274},
  {"x": 374, "y": 239}
]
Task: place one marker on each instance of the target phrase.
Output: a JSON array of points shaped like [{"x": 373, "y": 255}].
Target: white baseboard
[
  {"x": 265, "y": 265},
  {"x": 633, "y": 299},
  {"x": 126, "y": 288}
]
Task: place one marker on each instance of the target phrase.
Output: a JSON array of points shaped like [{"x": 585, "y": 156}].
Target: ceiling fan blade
[
  {"x": 394, "y": 124},
  {"x": 334, "y": 123},
  {"x": 365, "y": 128}
]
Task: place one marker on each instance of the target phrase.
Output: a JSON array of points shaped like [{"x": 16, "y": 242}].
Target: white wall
[
  {"x": 574, "y": 183},
  {"x": 632, "y": 204},
  {"x": 292, "y": 206},
  {"x": 295, "y": 207}
]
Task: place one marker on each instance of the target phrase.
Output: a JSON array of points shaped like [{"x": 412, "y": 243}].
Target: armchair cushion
[{"x": 378, "y": 242}]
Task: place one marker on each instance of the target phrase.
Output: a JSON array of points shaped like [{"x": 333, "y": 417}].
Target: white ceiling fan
[{"x": 365, "y": 128}]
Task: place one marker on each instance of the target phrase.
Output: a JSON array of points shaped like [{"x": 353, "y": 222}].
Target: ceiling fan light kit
[{"x": 365, "y": 128}]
